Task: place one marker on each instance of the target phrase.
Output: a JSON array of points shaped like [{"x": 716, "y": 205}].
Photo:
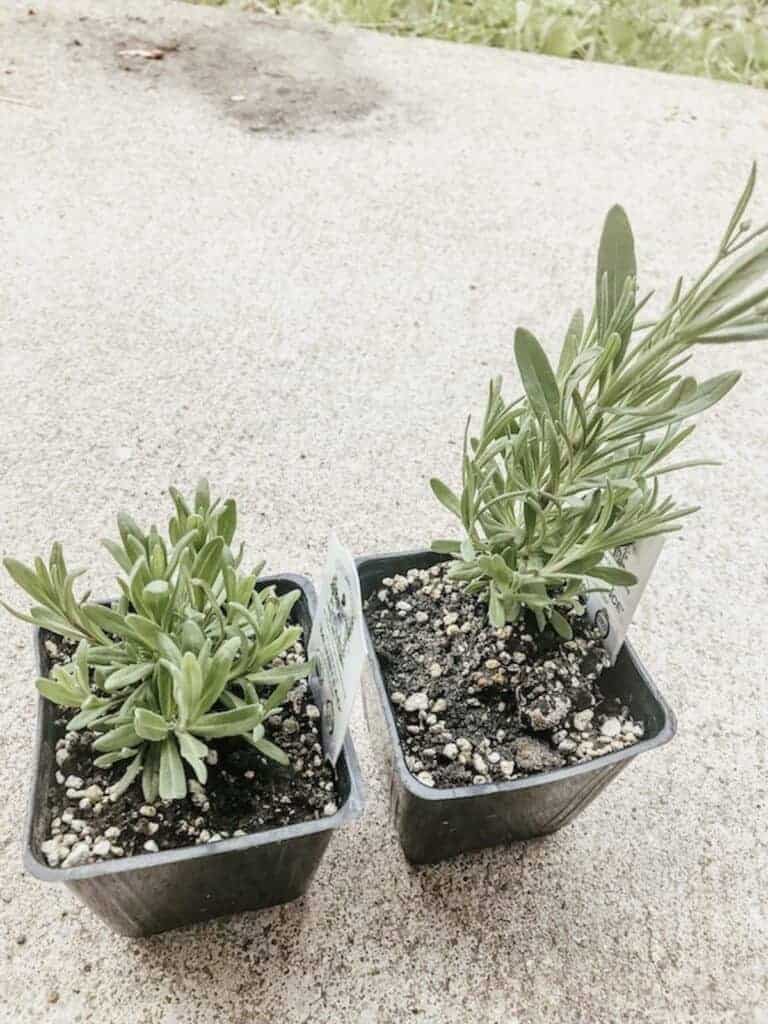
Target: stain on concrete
[{"x": 269, "y": 75}]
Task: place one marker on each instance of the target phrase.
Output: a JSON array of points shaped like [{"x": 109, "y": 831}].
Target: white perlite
[
  {"x": 583, "y": 719},
  {"x": 611, "y": 727},
  {"x": 78, "y": 855},
  {"x": 416, "y": 702}
]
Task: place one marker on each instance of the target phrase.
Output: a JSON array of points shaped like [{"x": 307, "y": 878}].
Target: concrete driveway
[{"x": 289, "y": 258}]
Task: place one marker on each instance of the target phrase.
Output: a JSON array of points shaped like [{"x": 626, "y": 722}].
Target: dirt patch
[
  {"x": 474, "y": 704},
  {"x": 268, "y": 74}
]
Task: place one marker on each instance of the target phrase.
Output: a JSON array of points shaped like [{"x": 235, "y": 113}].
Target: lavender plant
[
  {"x": 180, "y": 659},
  {"x": 572, "y": 469}
]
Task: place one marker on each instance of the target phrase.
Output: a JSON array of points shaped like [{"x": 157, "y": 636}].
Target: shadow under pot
[
  {"x": 153, "y": 892},
  {"x": 438, "y": 807}
]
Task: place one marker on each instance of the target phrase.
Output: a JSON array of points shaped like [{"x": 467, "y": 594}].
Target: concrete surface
[{"x": 305, "y": 311}]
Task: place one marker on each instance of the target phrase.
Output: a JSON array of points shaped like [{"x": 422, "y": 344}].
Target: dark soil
[
  {"x": 475, "y": 704},
  {"x": 244, "y": 793}
]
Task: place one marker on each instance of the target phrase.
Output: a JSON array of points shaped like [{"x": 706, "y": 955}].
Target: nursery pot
[
  {"x": 435, "y": 824},
  {"x": 154, "y": 892}
]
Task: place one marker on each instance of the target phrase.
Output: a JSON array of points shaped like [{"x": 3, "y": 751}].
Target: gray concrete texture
[{"x": 301, "y": 294}]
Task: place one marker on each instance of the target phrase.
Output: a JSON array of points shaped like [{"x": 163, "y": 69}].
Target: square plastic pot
[
  {"x": 435, "y": 824},
  {"x": 154, "y": 892}
]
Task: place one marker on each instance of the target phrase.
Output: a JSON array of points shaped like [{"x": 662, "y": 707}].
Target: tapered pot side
[
  {"x": 435, "y": 824},
  {"x": 154, "y": 892}
]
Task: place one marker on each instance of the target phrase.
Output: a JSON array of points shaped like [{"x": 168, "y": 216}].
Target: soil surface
[
  {"x": 244, "y": 793},
  {"x": 475, "y": 704}
]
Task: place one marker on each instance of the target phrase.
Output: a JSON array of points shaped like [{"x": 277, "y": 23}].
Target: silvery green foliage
[
  {"x": 179, "y": 660},
  {"x": 571, "y": 470}
]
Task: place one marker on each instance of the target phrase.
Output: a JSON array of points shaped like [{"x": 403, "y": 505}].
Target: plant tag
[
  {"x": 337, "y": 643},
  {"x": 612, "y": 610}
]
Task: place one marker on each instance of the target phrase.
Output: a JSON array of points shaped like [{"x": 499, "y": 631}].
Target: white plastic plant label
[
  {"x": 337, "y": 644},
  {"x": 612, "y": 611}
]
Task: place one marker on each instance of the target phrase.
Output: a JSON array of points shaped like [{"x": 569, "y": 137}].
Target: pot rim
[
  {"x": 490, "y": 789},
  {"x": 350, "y": 809}
]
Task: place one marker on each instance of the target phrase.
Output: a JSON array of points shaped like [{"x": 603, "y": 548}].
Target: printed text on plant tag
[{"x": 612, "y": 611}]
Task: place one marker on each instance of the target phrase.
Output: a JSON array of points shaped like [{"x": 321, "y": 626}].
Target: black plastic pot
[
  {"x": 154, "y": 892},
  {"x": 435, "y": 824}
]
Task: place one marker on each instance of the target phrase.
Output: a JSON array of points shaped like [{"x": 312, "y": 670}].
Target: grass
[{"x": 719, "y": 39}]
